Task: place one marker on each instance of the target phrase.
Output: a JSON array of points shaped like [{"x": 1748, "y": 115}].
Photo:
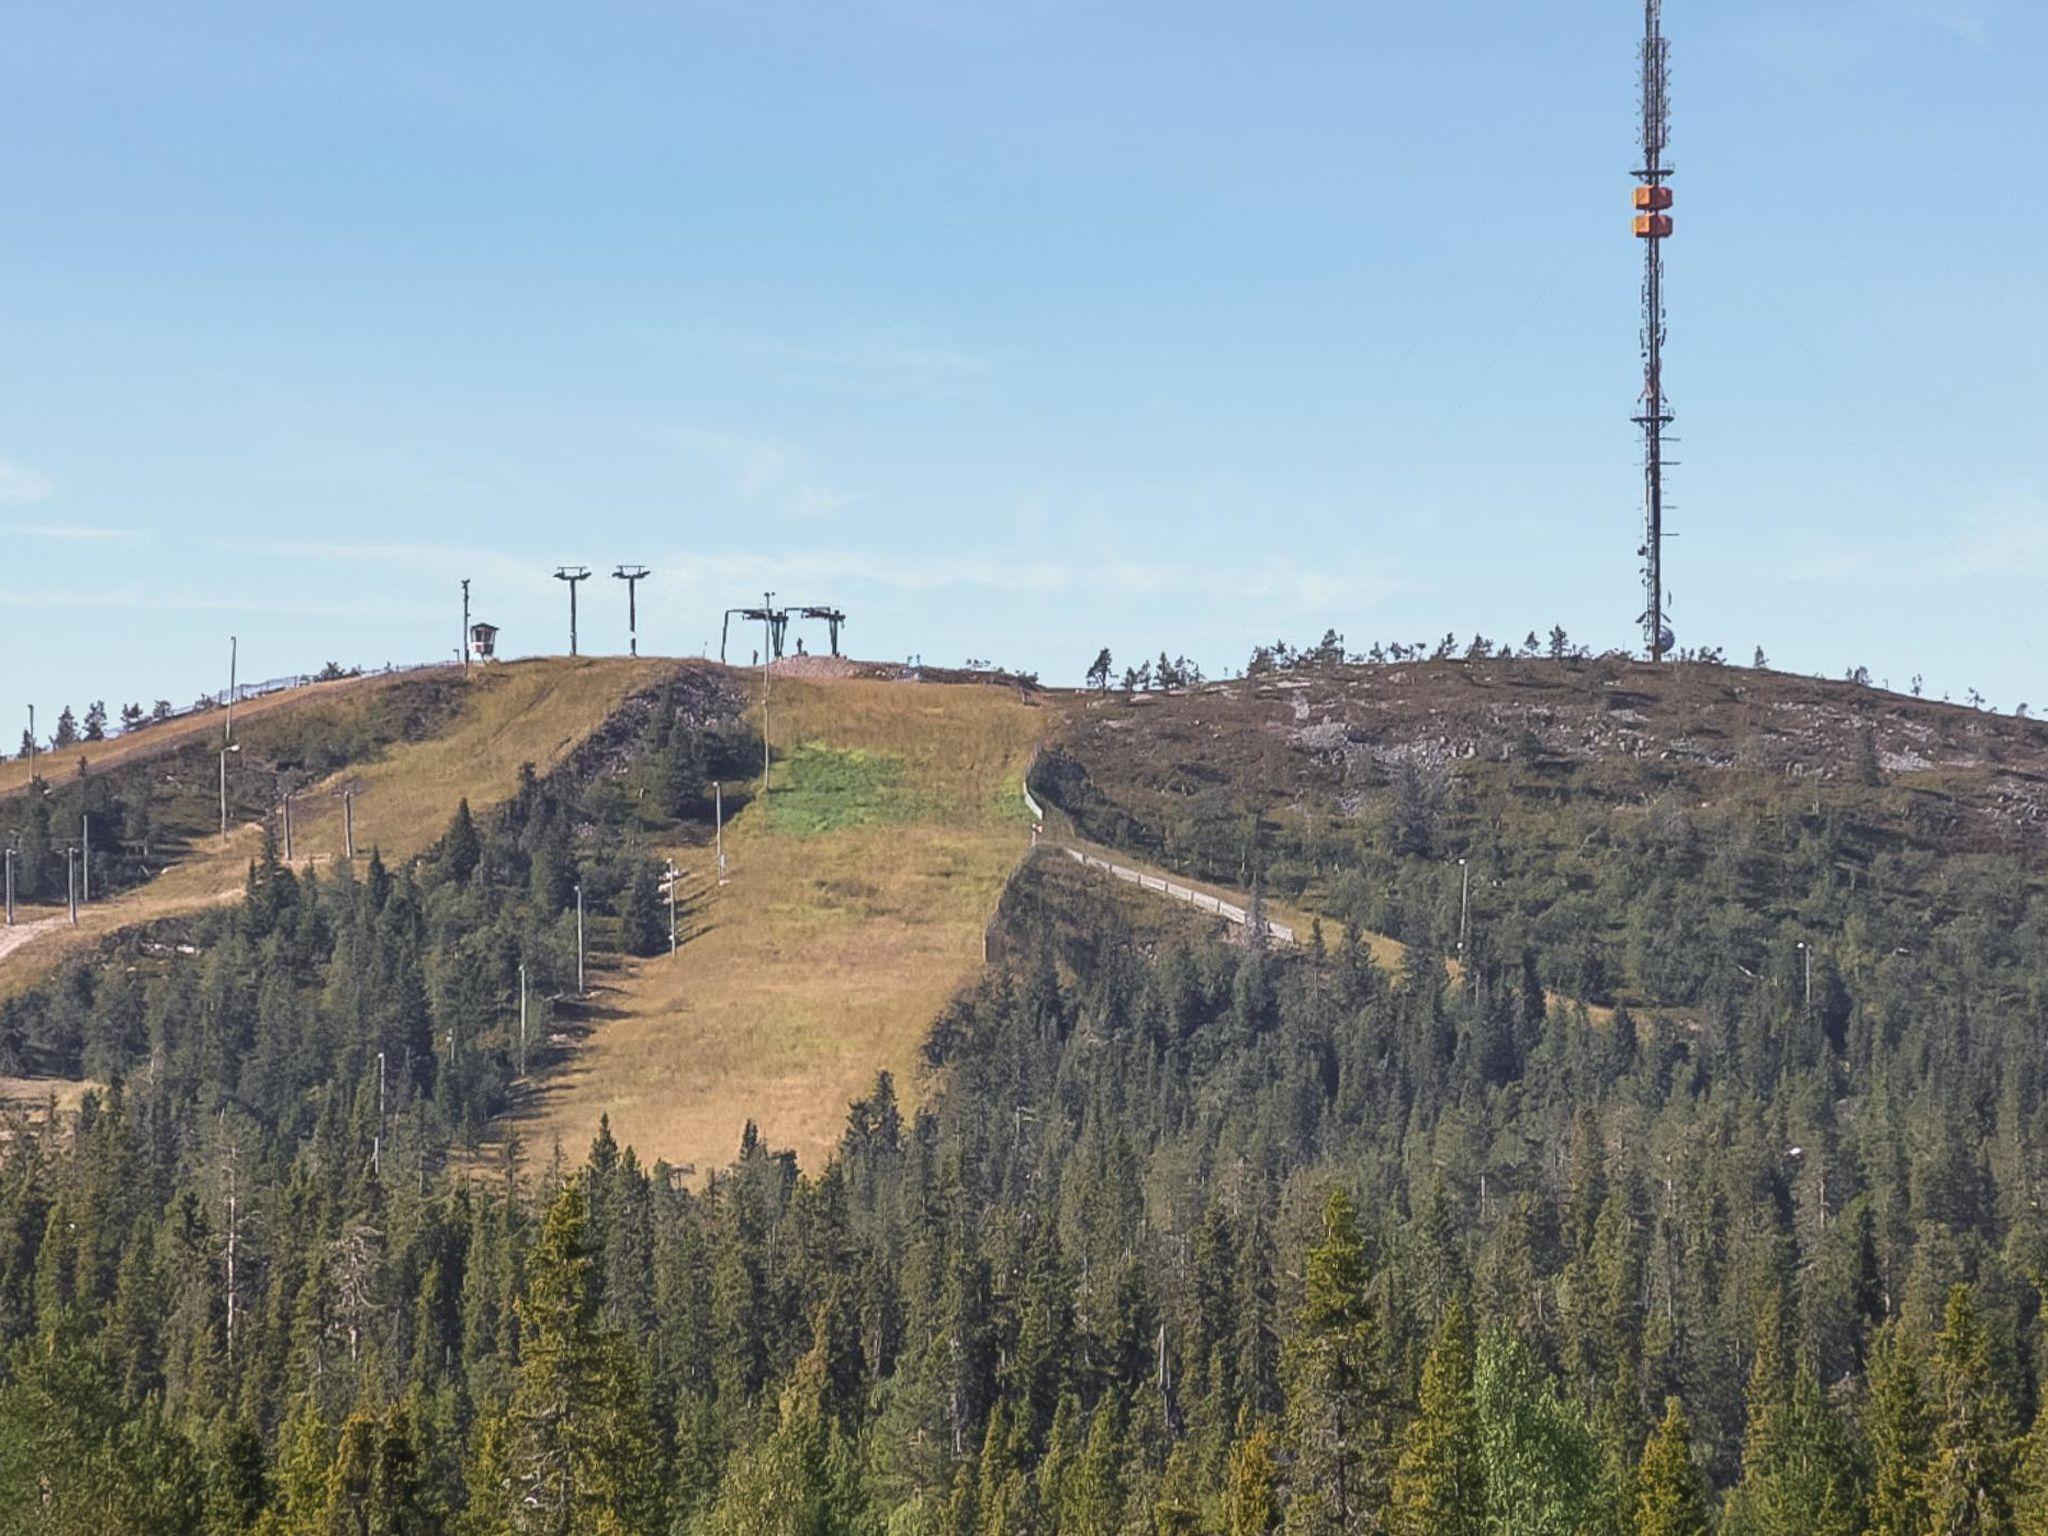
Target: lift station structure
[{"x": 775, "y": 622}]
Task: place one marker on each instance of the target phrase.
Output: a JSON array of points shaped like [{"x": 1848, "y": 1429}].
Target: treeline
[
  {"x": 1194, "y": 1238},
  {"x": 72, "y": 730},
  {"x": 125, "y": 821},
  {"x": 1184, "y": 1236}
]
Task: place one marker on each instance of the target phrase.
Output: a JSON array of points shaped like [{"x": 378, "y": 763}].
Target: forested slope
[{"x": 1186, "y": 1235}]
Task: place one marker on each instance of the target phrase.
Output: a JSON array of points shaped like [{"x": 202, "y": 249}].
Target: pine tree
[
  {"x": 1671, "y": 1496},
  {"x": 1250, "y": 1492},
  {"x": 2030, "y": 1502},
  {"x": 1970, "y": 1482},
  {"x": 644, "y": 924},
  {"x": 1335, "y": 1398},
  {"x": 1438, "y": 1485},
  {"x": 802, "y": 1480},
  {"x": 298, "y": 1505},
  {"x": 1900, "y": 1437},
  {"x": 1797, "y": 1476},
  {"x": 583, "y": 1454},
  {"x": 461, "y": 848},
  {"x": 1092, "y": 1500},
  {"x": 682, "y": 775}
]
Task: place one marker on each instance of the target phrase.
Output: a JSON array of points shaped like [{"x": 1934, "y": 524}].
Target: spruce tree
[
  {"x": 461, "y": 847},
  {"x": 1900, "y": 1438},
  {"x": 644, "y": 923},
  {"x": 2030, "y": 1499},
  {"x": 1092, "y": 1498},
  {"x": 1250, "y": 1491},
  {"x": 1438, "y": 1483},
  {"x": 1335, "y": 1398},
  {"x": 1671, "y": 1496},
  {"x": 1970, "y": 1482},
  {"x": 583, "y": 1454}
]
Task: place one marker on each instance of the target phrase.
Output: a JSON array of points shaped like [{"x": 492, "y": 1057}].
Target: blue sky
[{"x": 1016, "y": 329}]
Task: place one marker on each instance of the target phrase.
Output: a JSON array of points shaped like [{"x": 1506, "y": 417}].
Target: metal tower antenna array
[
  {"x": 1653, "y": 228},
  {"x": 572, "y": 574}
]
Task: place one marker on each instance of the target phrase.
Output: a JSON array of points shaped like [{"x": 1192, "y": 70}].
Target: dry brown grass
[
  {"x": 34, "y": 1096},
  {"x": 529, "y": 711},
  {"x": 824, "y": 958},
  {"x": 521, "y": 712}
]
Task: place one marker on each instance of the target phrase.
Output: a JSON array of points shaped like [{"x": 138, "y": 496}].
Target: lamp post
[
  {"x": 224, "y": 751},
  {"x": 671, "y": 906},
  {"x": 1464, "y": 904}
]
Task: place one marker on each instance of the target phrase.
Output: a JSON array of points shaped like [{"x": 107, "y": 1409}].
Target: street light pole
[
  {"x": 718, "y": 823},
  {"x": 234, "y": 657},
  {"x": 671, "y": 906},
  {"x": 767, "y": 652},
  {"x": 224, "y": 787},
  {"x": 1464, "y": 904}
]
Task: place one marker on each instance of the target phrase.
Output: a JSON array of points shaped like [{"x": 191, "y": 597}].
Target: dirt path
[{"x": 22, "y": 933}]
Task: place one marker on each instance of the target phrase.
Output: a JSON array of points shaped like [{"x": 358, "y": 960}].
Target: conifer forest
[{"x": 1686, "y": 1177}]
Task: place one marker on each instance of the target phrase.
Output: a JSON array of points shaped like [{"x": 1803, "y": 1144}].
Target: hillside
[
  {"x": 1652, "y": 1112},
  {"x": 1603, "y": 807},
  {"x": 853, "y": 913},
  {"x": 408, "y": 747}
]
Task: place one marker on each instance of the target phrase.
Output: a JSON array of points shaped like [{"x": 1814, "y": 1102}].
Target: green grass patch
[{"x": 820, "y": 789}]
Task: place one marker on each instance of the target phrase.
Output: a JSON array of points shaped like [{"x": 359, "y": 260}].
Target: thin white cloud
[
  {"x": 21, "y": 486},
  {"x": 2002, "y": 535},
  {"x": 141, "y": 598},
  {"x": 1274, "y": 583},
  {"x": 1969, "y": 20},
  {"x": 71, "y": 531},
  {"x": 879, "y": 367},
  {"x": 764, "y": 472},
  {"x": 442, "y": 561}
]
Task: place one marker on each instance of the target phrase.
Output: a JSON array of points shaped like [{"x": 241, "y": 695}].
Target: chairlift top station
[{"x": 480, "y": 640}]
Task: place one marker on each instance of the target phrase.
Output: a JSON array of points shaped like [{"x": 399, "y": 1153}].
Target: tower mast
[{"x": 1653, "y": 228}]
